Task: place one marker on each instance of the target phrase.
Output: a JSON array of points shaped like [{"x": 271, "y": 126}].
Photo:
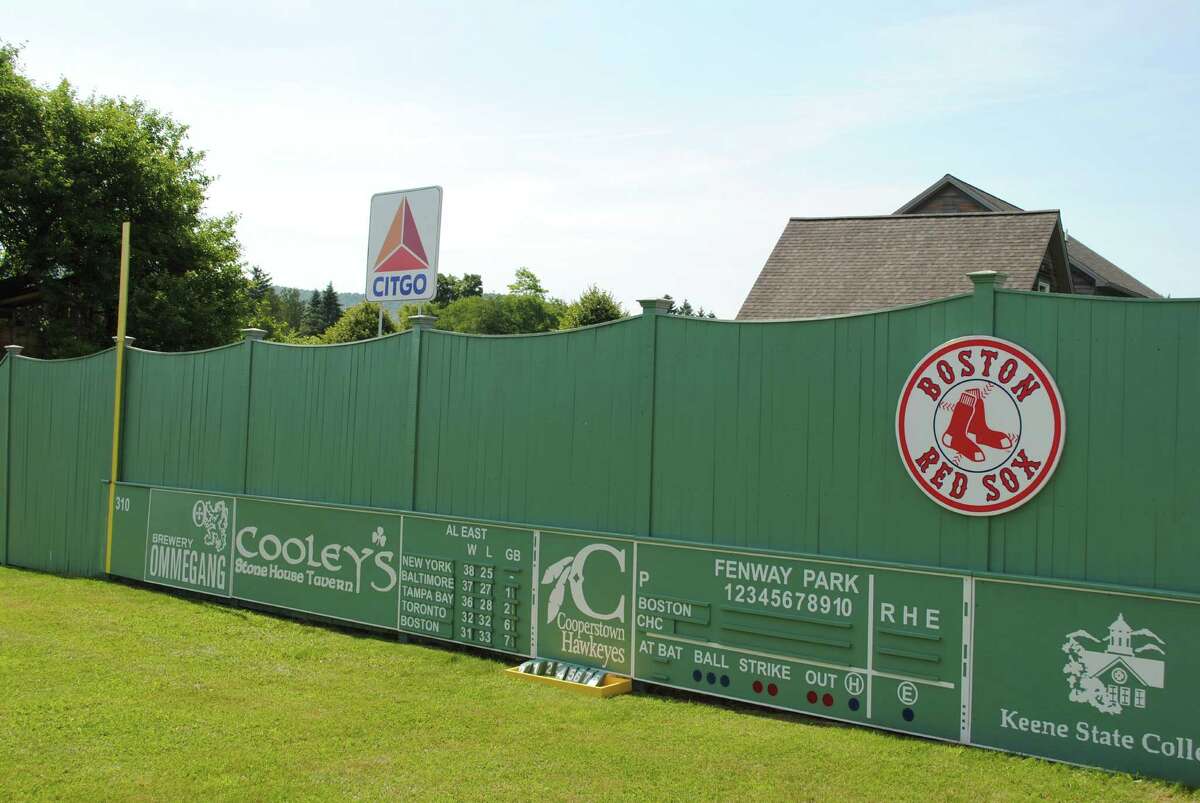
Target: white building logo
[{"x": 1120, "y": 675}]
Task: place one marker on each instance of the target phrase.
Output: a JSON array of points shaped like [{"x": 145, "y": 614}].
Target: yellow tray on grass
[{"x": 612, "y": 685}]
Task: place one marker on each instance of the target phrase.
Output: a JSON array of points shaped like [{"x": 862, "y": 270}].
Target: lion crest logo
[{"x": 213, "y": 518}]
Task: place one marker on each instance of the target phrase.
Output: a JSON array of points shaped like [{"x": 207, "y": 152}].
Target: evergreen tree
[
  {"x": 314, "y": 316},
  {"x": 685, "y": 309},
  {"x": 260, "y": 284},
  {"x": 331, "y": 308}
]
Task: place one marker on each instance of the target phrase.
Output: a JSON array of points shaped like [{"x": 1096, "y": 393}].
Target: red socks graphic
[
  {"x": 982, "y": 432},
  {"x": 968, "y": 428},
  {"x": 955, "y": 435}
]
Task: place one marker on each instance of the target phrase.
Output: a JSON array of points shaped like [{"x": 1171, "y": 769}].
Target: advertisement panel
[
  {"x": 1081, "y": 674},
  {"x": 327, "y": 561},
  {"x": 1087, "y": 676},
  {"x": 585, "y": 600}
]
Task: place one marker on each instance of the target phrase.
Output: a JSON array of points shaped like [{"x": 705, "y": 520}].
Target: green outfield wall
[{"x": 709, "y": 505}]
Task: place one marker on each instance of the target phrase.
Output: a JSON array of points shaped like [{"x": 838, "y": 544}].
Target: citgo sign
[
  {"x": 1066, "y": 671},
  {"x": 402, "y": 245}
]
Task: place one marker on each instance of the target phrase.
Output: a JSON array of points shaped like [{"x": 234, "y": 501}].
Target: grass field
[{"x": 110, "y": 691}]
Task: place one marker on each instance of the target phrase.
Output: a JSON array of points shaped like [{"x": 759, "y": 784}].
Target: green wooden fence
[
  {"x": 776, "y": 435},
  {"x": 59, "y": 448}
]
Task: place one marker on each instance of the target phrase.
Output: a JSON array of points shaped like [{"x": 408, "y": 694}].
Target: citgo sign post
[{"x": 1063, "y": 671}]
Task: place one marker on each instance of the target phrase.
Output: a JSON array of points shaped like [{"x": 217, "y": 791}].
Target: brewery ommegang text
[{"x": 980, "y": 425}]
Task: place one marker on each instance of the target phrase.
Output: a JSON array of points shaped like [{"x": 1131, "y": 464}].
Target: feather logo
[
  {"x": 557, "y": 573},
  {"x": 569, "y": 571}
]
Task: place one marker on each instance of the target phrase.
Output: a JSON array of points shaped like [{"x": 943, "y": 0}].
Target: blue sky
[{"x": 651, "y": 147}]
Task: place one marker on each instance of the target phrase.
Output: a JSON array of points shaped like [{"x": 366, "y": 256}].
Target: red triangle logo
[
  {"x": 400, "y": 259},
  {"x": 402, "y": 248}
]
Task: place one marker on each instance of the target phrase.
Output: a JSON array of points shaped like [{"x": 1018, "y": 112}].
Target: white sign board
[{"x": 402, "y": 245}]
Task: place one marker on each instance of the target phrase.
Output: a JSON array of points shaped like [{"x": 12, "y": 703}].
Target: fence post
[
  {"x": 10, "y": 357},
  {"x": 250, "y": 336},
  {"x": 420, "y": 324},
  {"x": 984, "y": 323},
  {"x": 651, "y": 309},
  {"x": 985, "y": 282}
]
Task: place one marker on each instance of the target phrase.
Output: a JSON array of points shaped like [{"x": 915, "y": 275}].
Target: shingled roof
[
  {"x": 1102, "y": 272},
  {"x": 1105, "y": 272},
  {"x": 833, "y": 266}
]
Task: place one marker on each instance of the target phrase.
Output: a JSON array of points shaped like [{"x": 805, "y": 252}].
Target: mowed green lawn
[{"x": 110, "y": 691}]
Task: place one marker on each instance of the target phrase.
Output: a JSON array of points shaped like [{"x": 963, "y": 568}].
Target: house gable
[
  {"x": 950, "y": 195},
  {"x": 1090, "y": 273},
  {"x": 836, "y": 266}
]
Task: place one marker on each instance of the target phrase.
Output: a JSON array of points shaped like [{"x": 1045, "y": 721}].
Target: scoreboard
[
  {"x": 466, "y": 582},
  {"x": 855, "y": 643},
  {"x": 1066, "y": 671}
]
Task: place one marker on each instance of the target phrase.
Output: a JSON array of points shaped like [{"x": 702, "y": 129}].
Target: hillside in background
[{"x": 347, "y": 300}]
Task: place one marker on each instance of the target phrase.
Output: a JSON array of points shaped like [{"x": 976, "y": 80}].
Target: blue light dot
[
  {"x": 908, "y": 715},
  {"x": 853, "y": 703},
  {"x": 724, "y": 680},
  {"x": 696, "y": 675},
  {"x": 712, "y": 678}
]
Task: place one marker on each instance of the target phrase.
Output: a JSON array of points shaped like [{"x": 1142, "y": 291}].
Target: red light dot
[
  {"x": 812, "y": 697},
  {"x": 758, "y": 687},
  {"x": 772, "y": 690},
  {"x": 827, "y": 700}
]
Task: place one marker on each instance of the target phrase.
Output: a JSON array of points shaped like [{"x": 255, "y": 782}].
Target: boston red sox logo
[{"x": 980, "y": 425}]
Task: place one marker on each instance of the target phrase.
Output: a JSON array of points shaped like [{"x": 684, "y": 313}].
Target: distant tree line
[
  {"x": 73, "y": 168},
  {"x": 461, "y": 305}
]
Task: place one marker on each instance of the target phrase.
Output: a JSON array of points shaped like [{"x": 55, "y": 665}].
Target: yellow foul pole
[{"x": 122, "y": 309}]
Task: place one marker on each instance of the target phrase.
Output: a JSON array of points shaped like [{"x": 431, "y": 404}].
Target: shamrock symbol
[{"x": 378, "y": 538}]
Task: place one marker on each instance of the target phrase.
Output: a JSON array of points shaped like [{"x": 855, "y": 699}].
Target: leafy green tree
[
  {"x": 314, "y": 316},
  {"x": 360, "y": 322},
  {"x": 498, "y": 315},
  {"x": 71, "y": 169},
  {"x": 451, "y": 288},
  {"x": 593, "y": 306},
  {"x": 291, "y": 307},
  {"x": 331, "y": 308},
  {"x": 526, "y": 283}
]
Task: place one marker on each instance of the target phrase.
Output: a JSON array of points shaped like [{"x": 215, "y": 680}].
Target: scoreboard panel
[
  {"x": 1072, "y": 672},
  {"x": 855, "y": 643},
  {"x": 467, "y": 582}
]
